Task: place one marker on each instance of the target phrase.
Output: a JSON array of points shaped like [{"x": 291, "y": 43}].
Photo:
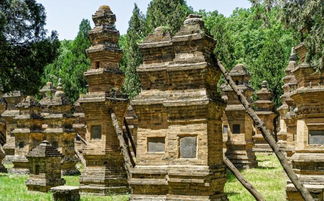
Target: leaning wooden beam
[
  {"x": 80, "y": 156},
  {"x": 124, "y": 148},
  {"x": 267, "y": 136},
  {"x": 242, "y": 180},
  {"x": 82, "y": 140},
  {"x": 129, "y": 136}
]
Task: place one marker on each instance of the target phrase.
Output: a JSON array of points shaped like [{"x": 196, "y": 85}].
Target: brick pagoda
[
  {"x": 179, "y": 137},
  {"x": 8, "y": 115},
  {"x": 104, "y": 172},
  {"x": 287, "y": 133},
  {"x": 308, "y": 158},
  {"x": 239, "y": 125},
  {"x": 45, "y": 168},
  {"x": 27, "y": 133},
  {"x": 264, "y": 110},
  {"x": 57, "y": 125}
]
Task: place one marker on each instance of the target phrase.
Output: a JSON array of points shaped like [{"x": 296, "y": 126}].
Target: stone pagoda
[
  {"x": 179, "y": 136},
  {"x": 104, "y": 172},
  {"x": 27, "y": 133},
  {"x": 239, "y": 125},
  {"x": 2, "y": 156},
  {"x": 8, "y": 115},
  {"x": 287, "y": 133},
  {"x": 80, "y": 127},
  {"x": 308, "y": 157},
  {"x": 57, "y": 125},
  {"x": 264, "y": 110},
  {"x": 2, "y": 133},
  {"x": 3, "y": 106},
  {"x": 45, "y": 168}
]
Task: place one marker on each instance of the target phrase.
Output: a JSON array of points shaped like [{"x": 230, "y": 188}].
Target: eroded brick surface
[
  {"x": 179, "y": 138},
  {"x": 104, "y": 171}
]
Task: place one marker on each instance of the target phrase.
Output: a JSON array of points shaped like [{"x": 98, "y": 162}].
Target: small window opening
[
  {"x": 21, "y": 145},
  {"x": 236, "y": 129},
  {"x": 97, "y": 64},
  {"x": 37, "y": 167},
  {"x": 96, "y": 132}
]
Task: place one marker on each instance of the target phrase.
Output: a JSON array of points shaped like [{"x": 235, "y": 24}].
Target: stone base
[
  {"x": 8, "y": 159},
  {"x": 18, "y": 171},
  {"x": 262, "y": 148},
  {"x": 175, "y": 183},
  {"x": 242, "y": 159},
  {"x": 99, "y": 190},
  {"x": 43, "y": 186},
  {"x": 66, "y": 193},
  {"x": 317, "y": 192},
  {"x": 177, "y": 198},
  {"x": 103, "y": 180}
]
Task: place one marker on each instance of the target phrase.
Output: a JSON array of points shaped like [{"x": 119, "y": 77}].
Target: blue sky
[{"x": 64, "y": 16}]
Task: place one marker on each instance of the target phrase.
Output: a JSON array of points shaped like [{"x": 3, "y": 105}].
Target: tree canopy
[
  {"x": 132, "y": 57},
  {"x": 169, "y": 13},
  {"x": 262, "y": 43},
  {"x": 24, "y": 46},
  {"x": 260, "y": 37},
  {"x": 71, "y": 63},
  {"x": 305, "y": 17}
]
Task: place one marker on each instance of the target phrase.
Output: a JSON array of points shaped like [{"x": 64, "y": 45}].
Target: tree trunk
[
  {"x": 124, "y": 148},
  {"x": 267, "y": 136},
  {"x": 242, "y": 180}
]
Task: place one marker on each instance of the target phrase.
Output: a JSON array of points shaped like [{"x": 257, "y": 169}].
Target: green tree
[
  {"x": 169, "y": 13},
  {"x": 261, "y": 42},
  {"x": 306, "y": 18},
  {"x": 24, "y": 47},
  {"x": 71, "y": 63},
  {"x": 132, "y": 56}
]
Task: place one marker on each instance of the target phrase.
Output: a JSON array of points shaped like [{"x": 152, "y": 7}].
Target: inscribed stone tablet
[
  {"x": 95, "y": 132},
  {"x": 156, "y": 144},
  {"x": 188, "y": 147},
  {"x": 316, "y": 137}
]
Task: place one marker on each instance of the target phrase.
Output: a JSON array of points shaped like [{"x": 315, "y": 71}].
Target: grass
[
  {"x": 13, "y": 188},
  {"x": 268, "y": 178}
]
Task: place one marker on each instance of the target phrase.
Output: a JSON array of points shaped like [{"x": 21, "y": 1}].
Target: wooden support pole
[
  {"x": 80, "y": 156},
  {"x": 81, "y": 139},
  {"x": 129, "y": 136},
  {"x": 242, "y": 180},
  {"x": 124, "y": 148},
  {"x": 267, "y": 136}
]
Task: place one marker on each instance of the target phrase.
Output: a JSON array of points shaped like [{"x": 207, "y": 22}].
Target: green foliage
[
  {"x": 71, "y": 63},
  {"x": 132, "y": 56},
  {"x": 260, "y": 42},
  {"x": 24, "y": 47},
  {"x": 307, "y": 17},
  {"x": 169, "y": 13}
]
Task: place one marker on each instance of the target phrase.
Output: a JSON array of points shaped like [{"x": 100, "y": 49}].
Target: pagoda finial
[
  {"x": 104, "y": 16},
  {"x": 264, "y": 84},
  {"x": 59, "y": 89},
  {"x": 293, "y": 55}
]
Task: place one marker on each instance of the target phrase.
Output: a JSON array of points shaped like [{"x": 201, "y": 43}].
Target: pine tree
[
  {"x": 71, "y": 63},
  {"x": 169, "y": 13},
  {"x": 135, "y": 33},
  {"x": 24, "y": 47}
]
